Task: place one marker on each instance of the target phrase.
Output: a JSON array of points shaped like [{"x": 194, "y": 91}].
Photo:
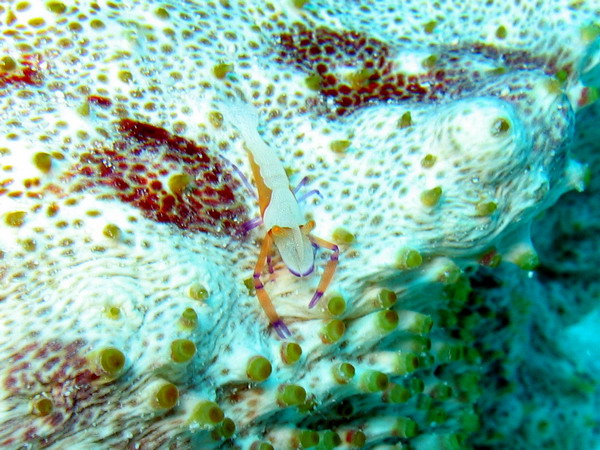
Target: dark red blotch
[{"x": 141, "y": 161}]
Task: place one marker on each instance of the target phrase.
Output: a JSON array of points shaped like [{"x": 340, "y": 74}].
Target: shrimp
[{"x": 281, "y": 214}]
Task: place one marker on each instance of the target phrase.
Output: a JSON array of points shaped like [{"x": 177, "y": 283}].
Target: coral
[{"x": 436, "y": 140}]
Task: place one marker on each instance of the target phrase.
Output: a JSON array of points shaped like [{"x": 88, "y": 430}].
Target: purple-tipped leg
[
  {"x": 251, "y": 224},
  {"x": 309, "y": 194},
  {"x": 315, "y": 299},
  {"x": 281, "y": 329}
]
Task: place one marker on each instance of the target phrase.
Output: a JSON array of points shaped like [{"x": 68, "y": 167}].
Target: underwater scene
[{"x": 294, "y": 224}]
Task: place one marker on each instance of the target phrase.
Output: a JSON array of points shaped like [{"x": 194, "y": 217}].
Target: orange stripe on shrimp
[{"x": 281, "y": 215}]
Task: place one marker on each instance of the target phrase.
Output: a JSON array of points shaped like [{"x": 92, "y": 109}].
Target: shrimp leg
[
  {"x": 261, "y": 293},
  {"x": 329, "y": 268}
]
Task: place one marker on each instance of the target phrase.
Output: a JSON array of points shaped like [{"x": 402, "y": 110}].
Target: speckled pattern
[{"x": 434, "y": 134}]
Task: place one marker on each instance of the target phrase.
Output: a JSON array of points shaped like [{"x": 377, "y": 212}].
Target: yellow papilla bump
[
  {"x": 261, "y": 446},
  {"x": 258, "y": 368},
  {"x": 188, "y": 319},
  {"x": 182, "y": 350},
  {"x": 290, "y": 395},
  {"x": 223, "y": 430},
  {"x": 43, "y": 161},
  {"x": 336, "y": 305},
  {"x": 166, "y": 396},
  {"x": 342, "y": 236},
  {"x": 179, "y": 182},
  {"x": 343, "y": 372},
  {"x": 332, "y": 331},
  {"x": 112, "y": 231},
  {"x": 386, "y": 320},
  {"x": 405, "y": 427},
  {"x": 408, "y": 259},
  {"x": 339, "y": 146},
  {"x": 405, "y": 120},
  {"x": 431, "y": 197},
  {"x": 373, "y": 381},
  {"x": 308, "y": 438},
  {"x": 290, "y": 352},
  {"x": 356, "y": 438},
  {"x": 198, "y": 292},
  {"x": 15, "y": 218},
  {"x": 221, "y": 70},
  {"x": 108, "y": 361},
  {"x": 396, "y": 394},
  {"x": 41, "y": 406},
  {"x": 206, "y": 413},
  {"x": 386, "y": 298}
]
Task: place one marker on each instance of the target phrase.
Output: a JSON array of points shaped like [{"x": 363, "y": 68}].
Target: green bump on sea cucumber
[
  {"x": 483, "y": 209},
  {"x": 182, "y": 350},
  {"x": 561, "y": 75},
  {"x": 261, "y": 446},
  {"x": 527, "y": 260},
  {"x": 436, "y": 415},
  {"x": 428, "y": 161},
  {"x": 419, "y": 323},
  {"x": 332, "y": 331},
  {"x": 314, "y": 83},
  {"x": 112, "y": 231},
  {"x": 501, "y": 32},
  {"x": 416, "y": 386},
  {"x": 386, "y": 298},
  {"x": 308, "y": 438},
  {"x": 339, "y": 146},
  {"x": 408, "y": 259},
  {"x": 429, "y": 27},
  {"x": 431, "y": 197},
  {"x": 108, "y": 361},
  {"x": 342, "y": 236},
  {"x": 336, "y": 305},
  {"x": 299, "y": 3},
  {"x": 206, "y": 413},
  {"x": 258, "y": 368},
  {"x": 330, "y": 439},
  {"x": 405, "y": 120},
  {"x": 500, "y": 127},
  {"x": 15, "y": 218},
  {"x": 41, "y": 406},
  {"x": 179, "y": 182},
  {"x": 223, "y": 430},
  {"x": 56, "y": 7},
  {"x": 386, "y": 320},
  {"x": 7, "y": 64},
  {"x": 166, "y": 396},
  {"x": 343, "y": 372},
  {"x": 441, "y": 391},
  {"x": 405, "y": 427},
  {"x": 162, "y": 13},
  {"x": 188, "y": 319},
  {"x": 373, "y": 381},
  {"x": 290, "y": 352},
  {"x": 590, "y": 32},
  {"x": 290, "y": 395},
  {"x": 113, "y": 312},
  {"x": 43, "y": 161},
  {"x": 396, "y": 394},
  {"x": 356, "y": 438},
  {"x": 221, "y": 70},
  {"x": 198, "y": 292},
  {"x": 406, "y": 363}
]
